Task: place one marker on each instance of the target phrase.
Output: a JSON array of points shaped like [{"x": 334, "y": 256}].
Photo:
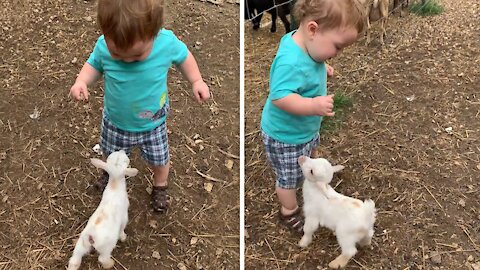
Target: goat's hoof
[
  {"x": 304, "y": 242},
  {"x": 123, "y": 237},
  {"x": 339, "y": 263},
  {"x": 73, "y": 264},
  {"x": 108, "y": 264}
]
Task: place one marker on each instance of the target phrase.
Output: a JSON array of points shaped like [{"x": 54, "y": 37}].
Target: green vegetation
[
  {"x": 426, "y": 8},
  {"x": 340, "y": 103}
]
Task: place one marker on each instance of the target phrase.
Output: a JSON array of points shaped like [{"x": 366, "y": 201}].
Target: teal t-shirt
[
  {"x": 135, "y": 92},
  {"x": 293, "y": 71}
]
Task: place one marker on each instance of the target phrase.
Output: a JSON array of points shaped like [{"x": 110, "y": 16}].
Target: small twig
[
  {"x": 208, "y": 177},
  {"x": 470, "y": 238},
  {"x": 431, "y": 194},
  {"x": 119, "y": 263},
  {"x": 273, "y": 253},
  {"x": 228, "y": 154},
  {"x": 361, "y": 265}
]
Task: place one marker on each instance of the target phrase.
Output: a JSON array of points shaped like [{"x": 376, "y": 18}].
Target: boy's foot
[
  {"x": 293, "y": 221},
  {"x": 102, "y": 182},
  {"x": 160, "y": 198}
]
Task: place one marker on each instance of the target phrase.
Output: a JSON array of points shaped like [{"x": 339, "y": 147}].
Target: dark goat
[{"x": 254, "y": 10}]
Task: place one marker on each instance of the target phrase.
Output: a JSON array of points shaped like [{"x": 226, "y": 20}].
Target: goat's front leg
[
  {"x": 273, "y": 29},
  {"x": 311, "y": 225}
]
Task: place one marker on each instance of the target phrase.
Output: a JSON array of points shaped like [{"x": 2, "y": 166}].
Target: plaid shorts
[
  {"x": 283, "y": 158},
  {"x": 153, "y": 144}
]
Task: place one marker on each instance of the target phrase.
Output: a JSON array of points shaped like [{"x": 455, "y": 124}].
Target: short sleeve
[
  {"x": 95, "y": 59},
  {"x": 285, "y": 80},
  {"x": 179, "y": 51}
]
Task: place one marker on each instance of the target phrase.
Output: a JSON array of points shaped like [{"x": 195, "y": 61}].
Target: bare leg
[
  {"x": 160, "y": 175},
  {"x": 288, "y": 200}
]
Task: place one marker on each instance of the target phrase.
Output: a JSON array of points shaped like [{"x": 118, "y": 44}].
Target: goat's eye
[{"x": 311, "y": 171}]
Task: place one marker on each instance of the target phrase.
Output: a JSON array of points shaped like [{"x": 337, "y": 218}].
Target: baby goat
[
  {"x": 351, "y": 219},
  {"x": 376, "y": 10},
  {"x": 107, "y": 224}
]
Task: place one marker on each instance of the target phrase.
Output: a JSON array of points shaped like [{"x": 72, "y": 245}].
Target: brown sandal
[
  {"x": 102, "y": 182},
  {"x": 294, "y": 221},
  {"x": 160, "y": 198}
]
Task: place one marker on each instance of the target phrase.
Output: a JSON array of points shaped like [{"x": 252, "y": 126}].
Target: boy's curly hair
[
  {"x": 128, "y": 21},
  {"x": 330, "y": 14}
]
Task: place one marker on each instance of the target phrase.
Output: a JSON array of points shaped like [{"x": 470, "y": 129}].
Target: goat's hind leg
[
  {"x": 256, "y": 21},
  {"x": 273, "y": 29},
  {"x": 347, "y": 244},
  {"x": 384, "y": 18},
  {"x": 367, "y": 239},
  {"x": 105, "y": 256},
  {"x": 81, "y": 248},
  {"x": 123, "y": 235}
]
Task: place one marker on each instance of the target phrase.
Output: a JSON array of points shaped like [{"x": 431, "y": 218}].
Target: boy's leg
[
  {"x": 283, "y": 158},
  {"x": 288, "y": 200},
  {"x": 160, "y": 175},
  {"x": 155, "y": 151},
  {"x": 111, "y": 139},
  {"x": 160, "y": 198}
]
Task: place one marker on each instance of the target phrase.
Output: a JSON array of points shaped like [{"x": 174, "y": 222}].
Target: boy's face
[
  {"x": 138, "y": 52},
  {"x": 325, "y": 44}
]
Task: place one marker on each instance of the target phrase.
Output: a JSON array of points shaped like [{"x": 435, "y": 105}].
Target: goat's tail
[{"x": 370, "y": 211}]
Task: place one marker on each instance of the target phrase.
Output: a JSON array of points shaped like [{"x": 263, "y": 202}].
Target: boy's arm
[
  {"x": 87, "y": 76},
  {"x": 296, "y": 104},
  {"x": 189, "y": 69}
]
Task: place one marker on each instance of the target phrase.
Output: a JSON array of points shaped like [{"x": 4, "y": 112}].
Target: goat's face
[
  {"x": 322, "y": 45},
  {"x": 118, "y": 162},
  {"x": 318, "y": 169}
]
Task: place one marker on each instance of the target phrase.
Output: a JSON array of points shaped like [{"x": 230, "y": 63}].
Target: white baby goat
[
  {"x": 107, "y": 224},
  {"x": 351, "y": 219}
]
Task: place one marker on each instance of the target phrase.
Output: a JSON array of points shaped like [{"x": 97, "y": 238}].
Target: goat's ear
[
  {"x": 131, "y": 172},
  {"x": 301, "y": 160},
  {"x": 98, "y": 163},
  {"x": 338, "y": 168}
]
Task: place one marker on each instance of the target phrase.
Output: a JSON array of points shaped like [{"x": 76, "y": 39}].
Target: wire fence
[{"x": 249, "y": 10}]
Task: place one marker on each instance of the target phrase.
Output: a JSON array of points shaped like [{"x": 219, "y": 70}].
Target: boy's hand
[
  {"x": 201, "y": 91},
  {"x": 323, "y": 105},
  {"x": 79, "y": 91},
  {"x": 329, "y": 70}
]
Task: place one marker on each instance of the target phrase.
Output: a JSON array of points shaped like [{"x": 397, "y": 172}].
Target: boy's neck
[{"x": 299, "y": 39}]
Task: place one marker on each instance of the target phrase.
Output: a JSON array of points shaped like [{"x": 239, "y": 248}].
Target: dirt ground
[
  {"x": 46, "y": 179},
  {"x": 410, "y": 141}
]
